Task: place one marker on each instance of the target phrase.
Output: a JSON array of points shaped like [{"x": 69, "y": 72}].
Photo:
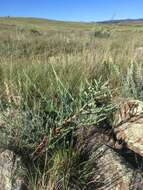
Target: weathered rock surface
[
  {"x": 7, "y": 168},
  {"x": 116, "y": 173},
  {"x": 110, "y": 171},
  {"x": 128, "y": 125}
]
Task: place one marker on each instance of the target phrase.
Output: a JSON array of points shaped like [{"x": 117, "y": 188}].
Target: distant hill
[
  {"x": 122, "y": 21},
  {"x": 45, "y": 25},
  {"x": 44, "y": 21}
]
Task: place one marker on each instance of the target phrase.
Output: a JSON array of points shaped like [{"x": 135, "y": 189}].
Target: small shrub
[
  {"x": 39, "y": 135},
  {"x": 101, "y": 33}
]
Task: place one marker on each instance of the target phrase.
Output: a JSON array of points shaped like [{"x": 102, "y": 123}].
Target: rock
[
  {"x": 110, "y": 170},
  {"x": 6, "y": 165},
  {"x": 7, "y": 168},
  {"x": 128, "y": 125},
  {"x": 114, "y": 171}
]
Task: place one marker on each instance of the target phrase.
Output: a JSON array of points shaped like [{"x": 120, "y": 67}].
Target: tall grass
[{"x": 52, "y": 82}]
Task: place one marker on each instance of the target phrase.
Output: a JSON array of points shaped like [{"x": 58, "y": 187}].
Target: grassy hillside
[
  {"x": 78, "y": 52},
  {"x": 54, "y": 72},
  {"x": 45, "y": 24}
]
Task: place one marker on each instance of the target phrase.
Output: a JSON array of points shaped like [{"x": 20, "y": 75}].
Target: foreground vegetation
[{"x": 55, "y": 77}]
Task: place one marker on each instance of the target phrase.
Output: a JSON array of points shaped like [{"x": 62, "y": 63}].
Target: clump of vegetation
[
  {"x": 101, "y": 32},
  {"x": 44, "y": 137}
]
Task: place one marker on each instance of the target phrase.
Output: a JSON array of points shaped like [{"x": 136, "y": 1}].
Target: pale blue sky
[{"x": 76, "y": 10}]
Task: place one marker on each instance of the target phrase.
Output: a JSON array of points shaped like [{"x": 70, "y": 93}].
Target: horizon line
[{"x": 76, "y": 21}]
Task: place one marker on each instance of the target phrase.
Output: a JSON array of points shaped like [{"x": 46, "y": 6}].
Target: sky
[{"x": 73, "y": 10}]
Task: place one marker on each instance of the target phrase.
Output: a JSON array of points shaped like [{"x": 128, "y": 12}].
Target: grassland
[{"x": 48, "y": 71}]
